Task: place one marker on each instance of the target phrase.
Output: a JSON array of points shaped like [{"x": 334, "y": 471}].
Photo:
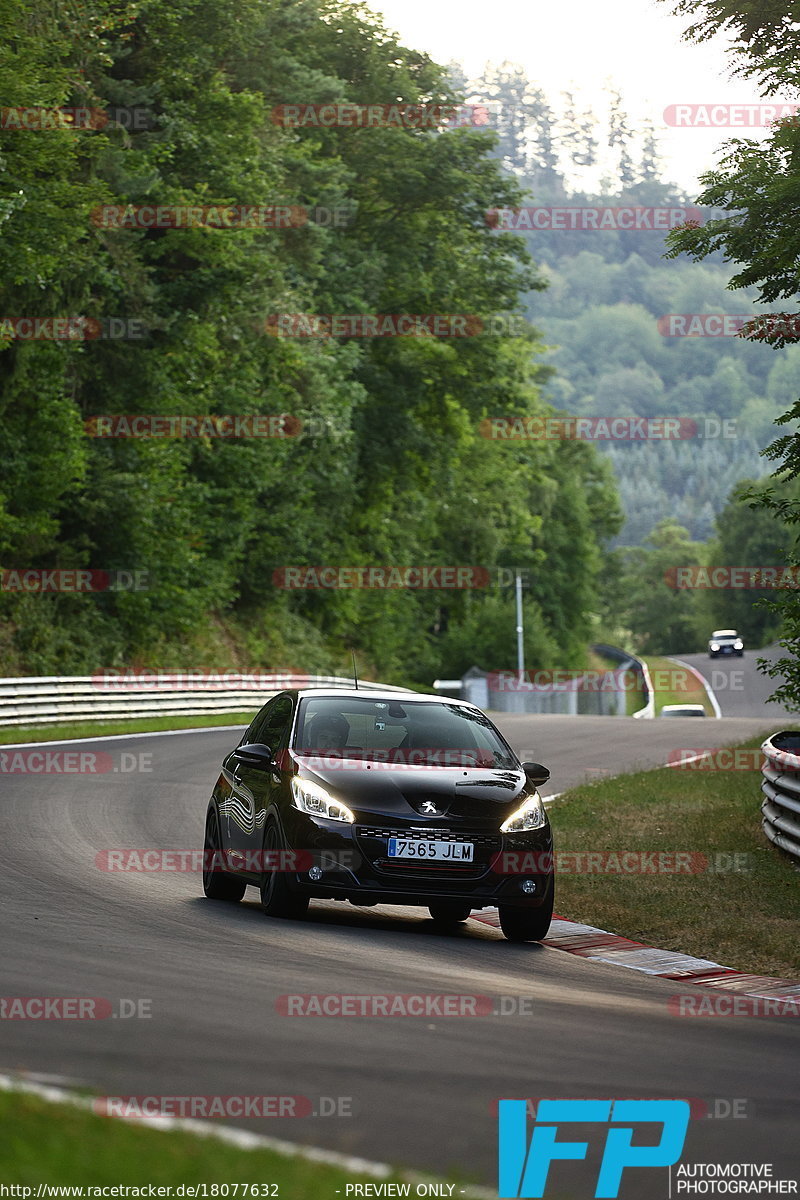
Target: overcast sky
[{"x": 634, "y": 43}]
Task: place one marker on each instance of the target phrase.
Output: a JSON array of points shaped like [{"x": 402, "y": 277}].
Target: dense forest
[
  {"x": 607, "y": 290},
  {"x": 378, "y": 459},
  {"x": 389, "y": 467}
]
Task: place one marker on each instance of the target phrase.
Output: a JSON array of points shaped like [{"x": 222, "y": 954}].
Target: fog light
[
  {"x": 528, "y": 887},
  {"x": 315, "y": 874}
]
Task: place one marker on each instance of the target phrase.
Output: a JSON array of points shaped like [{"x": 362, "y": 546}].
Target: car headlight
[
  {"x": 530, "y": 815},
  {"x": 312, "y": 799},
  {"x": 738, "y": 645},
  {"x": 715, "y": 645}
]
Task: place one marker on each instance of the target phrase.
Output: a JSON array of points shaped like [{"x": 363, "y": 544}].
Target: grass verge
[
  {"x": 743, "y": 918},
  {"x": 676, "y": 685},
  {"x": 86, "y": 729},
  {"x": 60, "y": 1144}
]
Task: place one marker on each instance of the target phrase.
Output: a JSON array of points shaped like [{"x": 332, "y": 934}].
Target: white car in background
[{"x": 725, "y": 642}]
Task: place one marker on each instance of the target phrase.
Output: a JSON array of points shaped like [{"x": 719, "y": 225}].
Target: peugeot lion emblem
[{"x": 428, "y": 807}]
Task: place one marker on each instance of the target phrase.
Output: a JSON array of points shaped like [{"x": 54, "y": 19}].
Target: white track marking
[
  {"x": 110, "y": 737},
  {"x": 240, "y": 1138},
  {"x": 709, "y": 690}
]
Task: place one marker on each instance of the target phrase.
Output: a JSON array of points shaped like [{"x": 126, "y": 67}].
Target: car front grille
[{"x": 374, "y": 842}]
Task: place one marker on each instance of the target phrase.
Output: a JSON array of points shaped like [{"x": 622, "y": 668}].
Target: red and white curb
[{"x": 601, "y": 946}]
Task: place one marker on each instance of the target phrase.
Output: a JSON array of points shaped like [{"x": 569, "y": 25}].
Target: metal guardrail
[
  {"x": 535, "y": 696},
  {"x": 781, "y": 787},
  {"x": 627, "y": 661},
  {"x": 52, "y": 700}
]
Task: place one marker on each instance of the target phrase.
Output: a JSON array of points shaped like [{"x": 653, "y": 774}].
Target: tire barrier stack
[{"x": 780, "y": 808}]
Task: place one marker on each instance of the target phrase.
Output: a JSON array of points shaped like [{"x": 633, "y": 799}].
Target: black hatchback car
[{"x": 381, "y": 798}]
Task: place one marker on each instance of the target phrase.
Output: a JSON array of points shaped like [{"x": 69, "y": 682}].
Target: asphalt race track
[
  {"x": 422, "y": 1089},
  {"x": 741, "y": 689}
]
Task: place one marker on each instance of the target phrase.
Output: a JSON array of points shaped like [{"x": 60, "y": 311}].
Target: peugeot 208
[{"x": 381, "y": 798}]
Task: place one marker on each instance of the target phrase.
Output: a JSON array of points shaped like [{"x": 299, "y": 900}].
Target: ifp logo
[{"x": 523, "y": 1170}]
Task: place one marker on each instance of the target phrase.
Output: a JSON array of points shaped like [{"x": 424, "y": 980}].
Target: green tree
[
  {"x": 757, "y": 186},
  {"x": 391, "y": 459},
  {"x": 747, "y": 536},
  {"x": 659, "y": 615}
]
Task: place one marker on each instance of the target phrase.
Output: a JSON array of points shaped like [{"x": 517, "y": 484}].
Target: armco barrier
[
  {"x": 51, "y": 700},
  {"x": 630, "y": 662},
  {"x": 476, "y": 686},
  {"x": 781, "y": 787}
]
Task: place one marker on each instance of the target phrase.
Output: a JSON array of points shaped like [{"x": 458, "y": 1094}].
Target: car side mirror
[
  {"x": 255, "y": 755},
  {"x": 536, "y": 773}
]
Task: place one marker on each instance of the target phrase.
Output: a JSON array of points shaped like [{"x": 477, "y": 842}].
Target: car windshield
[{"x": 408, "y": 733}]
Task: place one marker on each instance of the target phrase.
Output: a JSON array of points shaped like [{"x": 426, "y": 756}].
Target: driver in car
[{"x": 329, "y": 732}]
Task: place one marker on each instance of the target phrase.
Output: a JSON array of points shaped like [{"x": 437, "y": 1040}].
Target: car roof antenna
[{"x": 355, "y": 672}]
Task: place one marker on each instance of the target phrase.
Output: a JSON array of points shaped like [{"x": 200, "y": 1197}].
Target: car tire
[
  {"x": 449, "y": 912},
  {"x": 218, "y": 885},
  {"x": 277, "y": 899},
  {"x": 526, "y": 924}
]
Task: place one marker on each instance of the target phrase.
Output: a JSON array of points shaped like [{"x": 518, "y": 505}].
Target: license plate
[{"x": 441, "y": 851}]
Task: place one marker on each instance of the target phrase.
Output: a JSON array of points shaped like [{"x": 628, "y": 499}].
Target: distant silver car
[
  {"x": 725, "y": 642},
  {"x": 682, "y": 710}
]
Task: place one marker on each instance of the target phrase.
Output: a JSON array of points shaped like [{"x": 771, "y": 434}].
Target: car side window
[
  {"x": 254, "y": 731},
  {"x": 273, "y": 732}
]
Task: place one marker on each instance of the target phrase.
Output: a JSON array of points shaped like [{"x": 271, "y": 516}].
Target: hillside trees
[
  {"x": 391, "y": 468},
  {"x": 757, "y": 185}
]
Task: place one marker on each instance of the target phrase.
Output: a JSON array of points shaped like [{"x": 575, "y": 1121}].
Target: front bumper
[{"x": 354, "y": 864}]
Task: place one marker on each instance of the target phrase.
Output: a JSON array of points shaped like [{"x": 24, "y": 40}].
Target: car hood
[{"x": 410, "y": 792}]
